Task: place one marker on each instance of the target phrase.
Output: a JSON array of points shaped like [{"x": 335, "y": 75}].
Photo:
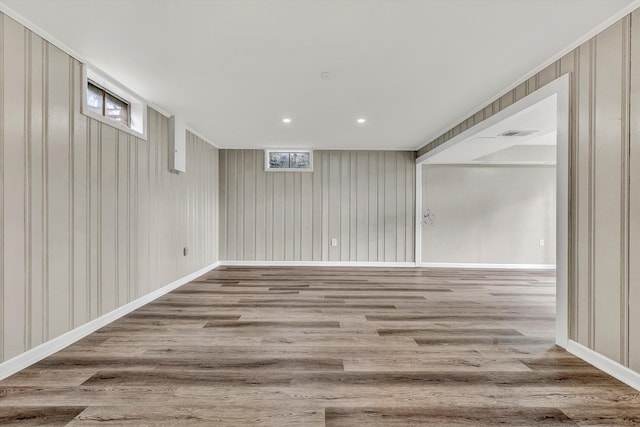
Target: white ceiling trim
[{"x": 598, "y": 29}]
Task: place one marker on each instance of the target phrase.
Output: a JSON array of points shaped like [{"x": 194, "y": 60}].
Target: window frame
[
  {"x": 106, "y": 93},
  {"x": 137, "y": 108},
  {"x": 267, "y": 165}
]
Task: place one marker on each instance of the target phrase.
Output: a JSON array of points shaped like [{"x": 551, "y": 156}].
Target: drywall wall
[
  {"x": 91, "y": 216},
  {"x": 489, "y": 214},
  {"x": 364, "y": 199},
  {"x": 604, "y": 281}
]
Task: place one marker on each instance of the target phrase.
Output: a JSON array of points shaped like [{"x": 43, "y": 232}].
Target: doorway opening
[{"x": 496, "y": 195}]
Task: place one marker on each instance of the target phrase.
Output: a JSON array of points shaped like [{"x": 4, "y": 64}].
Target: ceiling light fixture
[
  {"x": 361, "y": 120},
  {"x": 286, "y": 120}
]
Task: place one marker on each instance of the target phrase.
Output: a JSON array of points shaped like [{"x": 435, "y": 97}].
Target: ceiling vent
[{"x": 518, "y": 132}]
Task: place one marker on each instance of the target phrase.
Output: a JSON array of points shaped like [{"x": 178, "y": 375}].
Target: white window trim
[
  {"x": 268, "y": 168},
  {"x": 137, "y": 107}
]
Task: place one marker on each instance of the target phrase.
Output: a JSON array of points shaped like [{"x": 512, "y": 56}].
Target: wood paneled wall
[
  {"x": 365, "y": 199},
  {"x": 91, "y": 216},
  {"x": 604, "y": 186}
]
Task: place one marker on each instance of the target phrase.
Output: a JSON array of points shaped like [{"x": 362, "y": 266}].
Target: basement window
[
  {"x": 288, "y": 160},
  {"x": 103, "y": 102},
  {"x": 111, "y": 103}
]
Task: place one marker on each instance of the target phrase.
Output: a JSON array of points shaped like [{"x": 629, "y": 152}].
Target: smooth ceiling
[
  {"x": 489, "y": 146},
  {"x": 233, "y": 69}
]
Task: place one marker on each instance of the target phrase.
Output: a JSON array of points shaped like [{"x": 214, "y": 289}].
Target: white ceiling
[
  {"x": 234, "y": 68},
  {"x": 490, "y": 147}
]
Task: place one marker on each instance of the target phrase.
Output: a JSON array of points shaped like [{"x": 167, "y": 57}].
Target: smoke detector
[{"x": 518, "y": 132}]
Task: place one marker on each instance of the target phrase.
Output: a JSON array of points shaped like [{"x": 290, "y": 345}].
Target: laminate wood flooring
[{"x": 305, "y": 346}]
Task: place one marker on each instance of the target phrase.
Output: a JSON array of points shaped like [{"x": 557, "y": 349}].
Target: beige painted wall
[
  {"x": 91, "y": 217},
  {"x": 604, "y": 283},
  {"x": 365, "y": 199},
  {"x": 489, "y": 214}
]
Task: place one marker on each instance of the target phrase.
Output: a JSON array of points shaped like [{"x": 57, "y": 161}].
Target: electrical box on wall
[{"x": 177, "y": 144}]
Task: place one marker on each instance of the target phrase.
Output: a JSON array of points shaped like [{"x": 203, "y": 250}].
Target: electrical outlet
[
  {"x": 541, "y": 242},
  {"x": 185, "y": 251},
  {"x": 334, "y": 242}
]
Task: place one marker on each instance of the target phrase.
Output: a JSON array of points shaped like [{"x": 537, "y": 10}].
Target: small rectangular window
[
  {"x": 106, "y": 104},
  {"x": 107, "y": 101},
  {"x": 288, "y": 160}
]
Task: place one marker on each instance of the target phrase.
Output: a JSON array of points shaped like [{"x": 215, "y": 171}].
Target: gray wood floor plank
[{"x": 302, "y": 346}]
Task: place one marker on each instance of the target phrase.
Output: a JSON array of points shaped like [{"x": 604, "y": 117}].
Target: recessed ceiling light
[
  {"x": 361, "y": 120},
  {"x": 286, "y": 120}
]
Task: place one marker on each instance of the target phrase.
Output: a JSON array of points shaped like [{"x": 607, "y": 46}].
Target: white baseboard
[
  {"x": 316, "y": 264},
  {"x": 616, "y": 370},
  {"x": 29, "y": 357},
  {"x": 481, "y": 265}
]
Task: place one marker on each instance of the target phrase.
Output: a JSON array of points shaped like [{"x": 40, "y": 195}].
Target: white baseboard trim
[
  {"x": 316, "y": 264},
  {"x": 481, "y": 265},
  {"x": 616, "y": 370},
  {"x": 29, "y": 357}
]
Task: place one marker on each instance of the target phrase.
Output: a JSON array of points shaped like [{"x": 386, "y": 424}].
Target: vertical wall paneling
[
  {"x": 36, "y": 190},
  {"x": 381, "y": 199},
  {"x": 362, "y": 205},
  {"x": 634, "y": 198},
  {"x": 582, "y": 200},
  {"x": 91, "y": 217},
  {"x": 344, "y": 204},
  {"x": 604, "y": 129},
  {"x": 324, "y": 189},
  {"x": 260, "y": 206},
  {"x": 58, "y": 179},
  {"x": 333, "y": 204},
  {"x": 373, "y": 211},
  {"x": 608, "y": 190},
  {"x": 353, "y": 207},
  {"x": 2, "y": 180},
  {"x": 248, "y": 244},
  {"x": 268, "y": 231},
  {"x": 390, "y": 207},
  {"x": 317, "y": 219},
  {"x": 306, "y": 217},
  {"x": 223, "y": 202},
  {"x": 289, "y": 225},
  {"x": 625, "y": 90},
  {"x": 363, "y": 199},
  {"x": 278, "y": 243},
  {"x": 108, "y": 216},
  {"x": 80, "y": 208},
  {"x": 568, "y": 65},
  {"x": 14, "y": 267},
  {"x": 410, "y": 211},
  {"x": 122, "y": 218},
  {"x": 232, "y": 195}
]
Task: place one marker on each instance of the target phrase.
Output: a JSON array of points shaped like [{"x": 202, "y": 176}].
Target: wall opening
[{"x": 497, "y": 194}]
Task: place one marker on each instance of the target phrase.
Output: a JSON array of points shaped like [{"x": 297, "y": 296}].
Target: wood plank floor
[{"x": 327, "y": 346}]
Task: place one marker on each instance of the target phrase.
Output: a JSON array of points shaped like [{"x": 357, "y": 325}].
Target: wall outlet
[
  {"x": 541, "y": 242},
  {"x": 185, "y": 251},
  {"x": 334, "y": 242}
]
